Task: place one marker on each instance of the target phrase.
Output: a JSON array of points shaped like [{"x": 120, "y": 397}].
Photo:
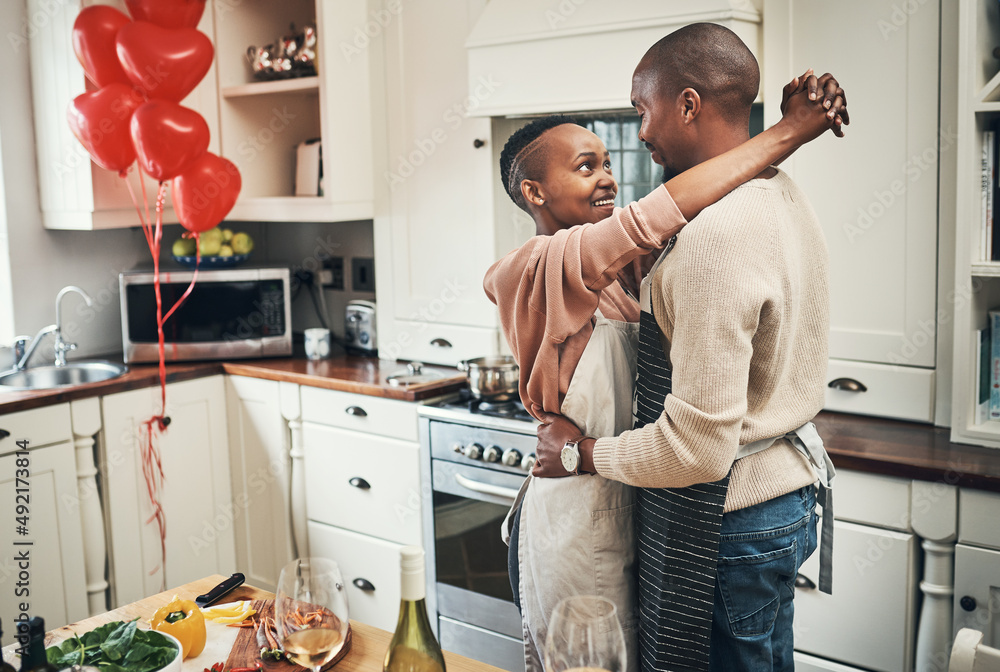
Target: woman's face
[{"x": 578, "y": 186}]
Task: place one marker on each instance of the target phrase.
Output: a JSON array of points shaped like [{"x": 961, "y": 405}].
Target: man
[{"x": 735, "y": 317}]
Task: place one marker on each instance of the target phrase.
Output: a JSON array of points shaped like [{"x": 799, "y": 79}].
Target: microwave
[{"x": 237, "y": 313}]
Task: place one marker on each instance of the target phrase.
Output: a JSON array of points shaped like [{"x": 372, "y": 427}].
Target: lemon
[
  {"x": 242, "y": 243},
  {"x": 227, "y": 235},
  {"x": 183, "y": 247},
  {"x": 225, "y": 251},
  {"x": 210, "y": 245},
  {"x": 214, "y": 233}
]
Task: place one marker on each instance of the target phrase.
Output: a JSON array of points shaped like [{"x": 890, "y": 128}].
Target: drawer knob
[
  {"x": 356, "y": 411},
  {"x": 848, "y": 385},
  {"x": 4, "y": 434},
  {"x": 477, "y": 143},
  {"x": 364, "y": 584},
  {"x": 441, "y": 343},
  {"x": 803, "y": 581},
  {"x": 968, "y": 603},
  {"x": 360, "y": 483}
]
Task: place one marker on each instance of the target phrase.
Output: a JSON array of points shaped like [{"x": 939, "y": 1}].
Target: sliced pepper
[{"x": 183, "y": 620}]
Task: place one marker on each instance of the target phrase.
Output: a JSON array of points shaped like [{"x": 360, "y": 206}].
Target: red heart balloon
[
  {"x": 94, "y": 34},
  {"x": 163, "y": 62},
  {"x": 167, "y": 13},
  {"x": 205, "y": 192},
  {"x": 100, "y": 121},
  {"x": 167, "y": 137}
]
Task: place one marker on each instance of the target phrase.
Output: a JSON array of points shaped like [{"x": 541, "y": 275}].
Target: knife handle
[{"x": 214, "y": 595}]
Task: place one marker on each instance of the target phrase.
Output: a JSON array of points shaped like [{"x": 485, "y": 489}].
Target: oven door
[{"x": 473, "y": 588}]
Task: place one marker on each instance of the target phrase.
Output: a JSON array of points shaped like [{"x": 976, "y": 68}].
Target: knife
[{"x": 216, "y": 594}]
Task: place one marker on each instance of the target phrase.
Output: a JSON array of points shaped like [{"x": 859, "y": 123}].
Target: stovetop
[{"x": 465, "y": 410}]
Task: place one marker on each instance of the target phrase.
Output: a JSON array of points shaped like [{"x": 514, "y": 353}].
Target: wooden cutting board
[{"x": 246, "y": 650}]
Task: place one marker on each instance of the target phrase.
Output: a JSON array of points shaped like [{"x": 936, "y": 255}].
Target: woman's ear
[
  {"x": 533, "y": 193},
  {"x": 689, "y": 105}
]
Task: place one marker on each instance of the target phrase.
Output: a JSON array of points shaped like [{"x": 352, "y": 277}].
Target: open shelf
[
  {"x": 297, "y": 84},
  {"x": 985, "y": 269}
]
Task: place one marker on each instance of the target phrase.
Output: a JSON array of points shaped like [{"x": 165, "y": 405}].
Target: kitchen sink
[{"x": 48, "y": 377}]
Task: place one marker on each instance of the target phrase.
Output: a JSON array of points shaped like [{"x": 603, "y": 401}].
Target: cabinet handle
[
  {"x": 364, "y": 584},
  {"x": 356, "y": 411},
  {"x": 477, "y": 143},
  {"x": 360, "y": 483},
  {"x": 4, "y": 434},
  {"x": 440, "y": 343},
  {"x": 968, "y": 603},
  {"x": 848, "y": 385},
  {"x": 803, "y": 581}
]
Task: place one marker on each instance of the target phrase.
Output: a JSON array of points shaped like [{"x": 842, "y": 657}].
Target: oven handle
[{"x": 486, "y": 488}]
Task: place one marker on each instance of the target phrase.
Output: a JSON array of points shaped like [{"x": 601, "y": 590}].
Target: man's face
[{"x": 659, "y": 128}]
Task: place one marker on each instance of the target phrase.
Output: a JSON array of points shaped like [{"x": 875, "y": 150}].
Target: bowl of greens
[{"x": 119, "y": 646}]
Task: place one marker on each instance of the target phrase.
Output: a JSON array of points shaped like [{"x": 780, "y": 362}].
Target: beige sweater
[{"x": 743, "y": 304}]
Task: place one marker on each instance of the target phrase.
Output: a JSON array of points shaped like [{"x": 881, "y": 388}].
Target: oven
[{"x": 475, "y": 458}]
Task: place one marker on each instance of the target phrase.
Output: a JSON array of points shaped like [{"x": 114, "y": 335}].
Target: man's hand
[
  {"x": 552, "y": 436},
  {"x": 825, "y": 91}
]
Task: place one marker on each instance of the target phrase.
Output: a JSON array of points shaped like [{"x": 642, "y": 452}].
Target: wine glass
[
  {"x": 585, "y": 636},
  {"x": 310, "y": 611}
]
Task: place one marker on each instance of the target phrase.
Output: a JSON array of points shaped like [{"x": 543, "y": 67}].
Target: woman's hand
[
  {"x": 811, "y": 105},
  {"x": 553, "y": 434}
]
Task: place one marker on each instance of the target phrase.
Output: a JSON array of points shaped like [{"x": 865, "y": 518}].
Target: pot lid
[{"x": 413, "y": 374}]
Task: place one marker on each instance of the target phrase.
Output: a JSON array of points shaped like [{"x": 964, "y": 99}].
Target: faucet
[{"x": 61, "y": 346}]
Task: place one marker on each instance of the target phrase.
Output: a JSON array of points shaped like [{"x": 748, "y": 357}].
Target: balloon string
[
  {"x": 138, "y": 211},
  {"x": 187, "y": 292}
]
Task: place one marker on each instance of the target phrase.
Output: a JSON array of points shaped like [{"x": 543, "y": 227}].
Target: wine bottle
[
  {"x": 413, "y": 647},
  {"x": 4, "y": 665},
  {"x": 33, "y": 659}
]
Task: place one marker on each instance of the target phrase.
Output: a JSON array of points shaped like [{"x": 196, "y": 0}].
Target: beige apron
[{"x": 576, "y": 534}]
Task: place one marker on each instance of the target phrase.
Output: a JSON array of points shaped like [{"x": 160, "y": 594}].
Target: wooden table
[{"x": 368, "y": 647}]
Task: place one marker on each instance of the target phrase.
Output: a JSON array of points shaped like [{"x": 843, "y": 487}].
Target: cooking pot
[{"x": 491, "y": 379}]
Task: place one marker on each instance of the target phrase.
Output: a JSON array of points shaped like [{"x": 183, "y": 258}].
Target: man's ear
[
  {"x": 689, "y": 105},
  {"x": 533, "y": 193}
]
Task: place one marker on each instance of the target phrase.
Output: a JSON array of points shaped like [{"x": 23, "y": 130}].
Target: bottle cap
[{"x": 412, "y": 559}]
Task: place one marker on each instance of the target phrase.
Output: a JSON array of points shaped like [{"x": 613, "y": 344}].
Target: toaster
[{"x": 359, "y": 327}]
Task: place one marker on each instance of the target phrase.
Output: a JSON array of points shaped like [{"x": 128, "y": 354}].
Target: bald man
[{"x": 732, "y": 365}]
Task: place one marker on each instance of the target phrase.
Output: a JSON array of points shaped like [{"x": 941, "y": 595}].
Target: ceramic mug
[{"x": 317, "y": 343}]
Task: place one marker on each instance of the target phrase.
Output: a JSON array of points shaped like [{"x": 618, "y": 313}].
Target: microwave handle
[{"x": 486, "y": 488}]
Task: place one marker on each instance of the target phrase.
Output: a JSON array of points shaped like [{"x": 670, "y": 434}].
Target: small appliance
[{"x": 359, "y": 327}]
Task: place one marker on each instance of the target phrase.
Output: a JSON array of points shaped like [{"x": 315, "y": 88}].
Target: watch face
[{"x": 570, "y": 458}]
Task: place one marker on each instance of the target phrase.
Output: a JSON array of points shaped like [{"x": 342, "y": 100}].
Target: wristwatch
[{"x": 570, "y": 456}]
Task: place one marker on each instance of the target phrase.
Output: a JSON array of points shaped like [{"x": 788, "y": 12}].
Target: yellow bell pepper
[{"x": 183, "y": 620}]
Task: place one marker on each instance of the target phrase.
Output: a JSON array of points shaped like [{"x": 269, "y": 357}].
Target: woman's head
[{"x": 559, "y": 173}]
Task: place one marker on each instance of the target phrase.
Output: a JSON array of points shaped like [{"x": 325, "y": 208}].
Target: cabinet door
[
  {"x": 260, "y": 479},
  {"x": 369, "y": 566},
  {"x": 875, "y": 191},
  {"x": 875, "y": 584},
  {"x": 438, "y": 236},
  {"x": 977, "y": 592},
  {"x": 53, "y": 575},
  {"x": 196, "y": 495}
]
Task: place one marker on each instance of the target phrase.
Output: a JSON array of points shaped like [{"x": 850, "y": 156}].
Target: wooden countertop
[
  {"x": 360, "y": 375},
  {"x": 368, "y": 645}
]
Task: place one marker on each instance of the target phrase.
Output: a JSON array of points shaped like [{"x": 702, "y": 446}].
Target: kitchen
[{"x": 413, "y": 104}]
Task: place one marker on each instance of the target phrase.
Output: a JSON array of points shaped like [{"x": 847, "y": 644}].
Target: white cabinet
[
  {"x": 434, "y": 224},
  {"x": 43, "y": 481},
  {"x": 260, "y": 479},
  {"x": 75, "y": 192},
  {"x": 977, "y": 565},
  {"x": 362, "y": 487},
  {"x": 878, "y": 207},
  {"x": 196, "y": 495}
]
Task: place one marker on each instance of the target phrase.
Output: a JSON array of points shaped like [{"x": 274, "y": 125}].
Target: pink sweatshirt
[{"x": 548, "y": 290}]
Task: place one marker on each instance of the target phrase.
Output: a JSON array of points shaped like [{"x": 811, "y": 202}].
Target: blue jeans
[{"x": 760, "y": 552}]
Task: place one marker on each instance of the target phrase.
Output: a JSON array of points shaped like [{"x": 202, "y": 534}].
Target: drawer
[
  {"x": 483, "y": 645},
  {"x": 39, "y": 426},
  {"x": 977, "y": 518},
  {"x": 369, "y": 484},
  {"x": 436, "y": 343},
  {"x": 874, "y": 575},
  {"x": 360, "y": 412},
  {"x": 900, "y": 392},
  {"x": 369, "y": 566},
  {"x": 977, "y": 592},
  {"x": 807, "y": 663},
  {"x": 872, "y": 499}
]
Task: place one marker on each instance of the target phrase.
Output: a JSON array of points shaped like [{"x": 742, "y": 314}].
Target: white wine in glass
[
  {"x": 310, "y": 611},
  {"x": 585, "y": 636}
]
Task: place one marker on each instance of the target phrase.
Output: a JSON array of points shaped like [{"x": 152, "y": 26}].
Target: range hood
[{"x": 530, "y": 57}]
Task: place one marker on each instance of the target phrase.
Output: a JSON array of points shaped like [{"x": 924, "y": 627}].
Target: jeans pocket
[{"x": 751, "y": 587}]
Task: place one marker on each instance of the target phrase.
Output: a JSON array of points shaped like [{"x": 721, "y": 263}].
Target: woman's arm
[{"x": 805, "y": 119}]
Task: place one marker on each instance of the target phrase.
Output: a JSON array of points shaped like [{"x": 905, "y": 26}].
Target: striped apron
[{"x": 677, "y": 529}]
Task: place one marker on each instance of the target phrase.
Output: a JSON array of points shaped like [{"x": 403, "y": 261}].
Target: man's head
[
  {"x": 559, "y": 173},
  {"x": 693, "y": 90}
]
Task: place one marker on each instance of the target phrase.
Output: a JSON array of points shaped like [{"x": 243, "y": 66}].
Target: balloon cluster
[{"x": 142, "y": 69}]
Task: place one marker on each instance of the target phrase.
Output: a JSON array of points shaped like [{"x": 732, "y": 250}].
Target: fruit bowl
[{"x": 211, "y": 261}]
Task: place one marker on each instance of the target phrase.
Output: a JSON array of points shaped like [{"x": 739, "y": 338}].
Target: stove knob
[
  {"x": 528, "y": 462},
  {"x": 492, "y": 454},
  {"x": 473, "y": 451},
  {"x": 511, "y": 457},
  {"x": 458, "y": 447}
]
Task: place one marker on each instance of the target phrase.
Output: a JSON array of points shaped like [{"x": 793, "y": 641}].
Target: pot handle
[{"x": 463, "y": 365}]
